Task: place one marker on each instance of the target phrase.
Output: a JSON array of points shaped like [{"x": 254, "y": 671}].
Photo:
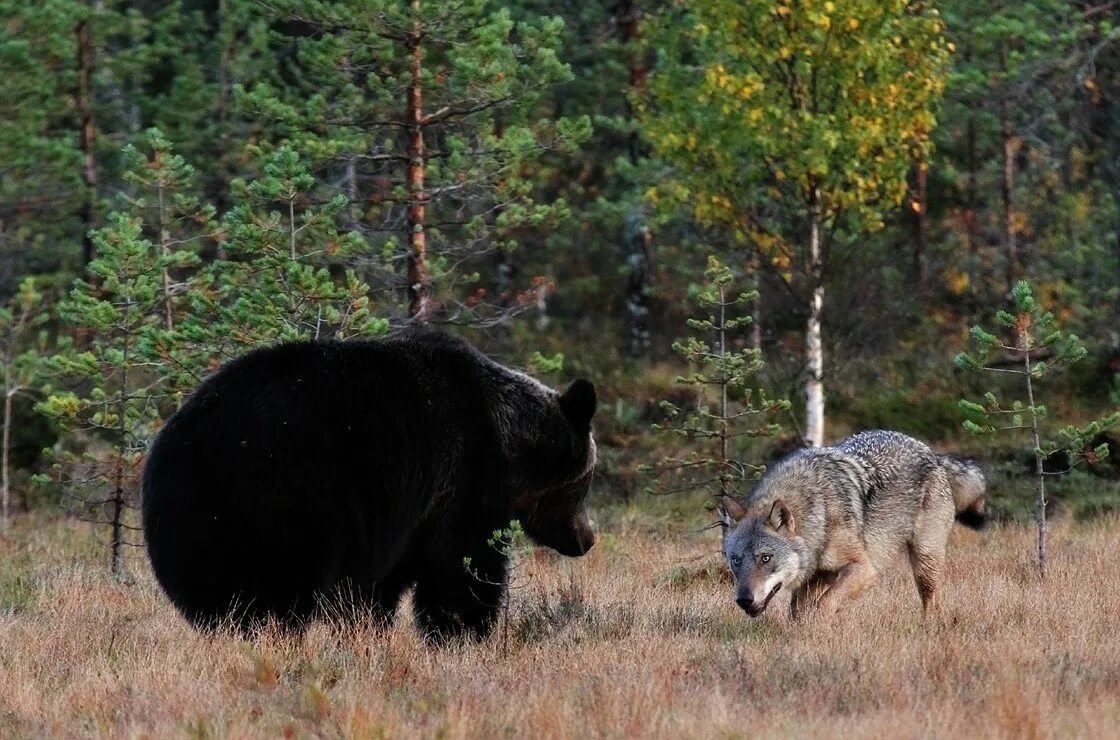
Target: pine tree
[
  {"x": 998, "y": 91},
  {"x": 162, "y": 192},
  {"x": 1035, "y": 350},
  {"x": 41, "y": 188},
  {"x": 287, "y": 277},
  {"x": 426, "y": 113},
  {"x": 195, "y": 57}
]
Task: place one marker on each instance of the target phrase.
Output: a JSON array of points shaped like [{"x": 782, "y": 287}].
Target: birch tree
[{"x": 787, "y": 124}]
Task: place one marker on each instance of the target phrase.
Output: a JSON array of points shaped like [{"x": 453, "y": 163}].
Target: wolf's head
[{"x": 764, "y": 553}]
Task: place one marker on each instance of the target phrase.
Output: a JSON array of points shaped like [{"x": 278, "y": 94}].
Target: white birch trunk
[{"x": 814, "y": 351}]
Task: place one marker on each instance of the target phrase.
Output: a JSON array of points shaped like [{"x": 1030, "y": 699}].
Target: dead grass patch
[{"x": 641, "y": 638}]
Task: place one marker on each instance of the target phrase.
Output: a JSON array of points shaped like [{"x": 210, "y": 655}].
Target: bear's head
[{"x": 555, "y": 471}]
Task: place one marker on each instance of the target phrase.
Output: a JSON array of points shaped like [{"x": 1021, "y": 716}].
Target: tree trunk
[
  {"x": 352, "y": 209},
  {"x": 724, "y": 419},
  {"x": 220, "y": 196},
  {"x": 86, "y": 135},
  {"x": 1011, "y": 249},
  {"x": 116, "y": 540},
  {"x": 972, "y": 190},
  {"x": 165, "y": 253},
  {"x": 814, "y": 351},
  {"x": 418, "y": 279},
  {"x": 628, "y": 16},
  {"x": 637, "y": 238},
  {"x": 975, "y": 270},
  {"x": 1116, "y": 248},
  {"x": 1039, "y": 473}
]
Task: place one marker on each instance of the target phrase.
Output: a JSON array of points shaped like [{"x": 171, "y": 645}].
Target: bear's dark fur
[{"x": 312, "y": 475}]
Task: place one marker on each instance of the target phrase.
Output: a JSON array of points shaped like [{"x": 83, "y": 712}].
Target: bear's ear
[{"x": 578, "y": 403}]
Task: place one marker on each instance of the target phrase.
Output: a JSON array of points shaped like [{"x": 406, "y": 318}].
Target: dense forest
[{"x": 578, "y": 188}]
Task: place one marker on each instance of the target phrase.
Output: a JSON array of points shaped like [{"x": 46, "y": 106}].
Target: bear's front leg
[{"x": 453, "y": 598}]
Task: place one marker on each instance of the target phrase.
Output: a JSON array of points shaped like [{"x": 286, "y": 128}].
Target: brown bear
[{"x": 317, "y": 475}]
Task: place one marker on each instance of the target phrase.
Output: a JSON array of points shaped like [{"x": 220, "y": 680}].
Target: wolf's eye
[
  {"x": 735, "y": 561},
  {"x": 764, "y": 559}
]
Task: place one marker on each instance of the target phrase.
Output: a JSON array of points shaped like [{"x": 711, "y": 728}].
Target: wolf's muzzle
[{"x": 747, "y": 602}]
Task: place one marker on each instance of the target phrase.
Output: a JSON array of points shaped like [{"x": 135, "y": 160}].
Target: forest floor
[{"x": 640, "y": 638}]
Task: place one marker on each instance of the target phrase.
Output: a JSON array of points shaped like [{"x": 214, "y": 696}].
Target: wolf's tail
[{"x": 967, "y": 481}]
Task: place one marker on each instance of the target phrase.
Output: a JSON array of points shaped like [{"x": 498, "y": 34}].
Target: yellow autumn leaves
[{"x": 764, "y": 101}]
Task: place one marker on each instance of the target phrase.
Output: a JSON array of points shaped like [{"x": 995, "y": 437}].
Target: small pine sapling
[
  {"x": 1029, "y": 348},
  {"x": 115, "y": 386},
  {"x": 726, "y": 409},
  {"x": 512, "y": 542}
]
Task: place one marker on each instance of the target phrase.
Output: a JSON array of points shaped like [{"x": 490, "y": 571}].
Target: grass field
[{"x": 640, "y": 638}]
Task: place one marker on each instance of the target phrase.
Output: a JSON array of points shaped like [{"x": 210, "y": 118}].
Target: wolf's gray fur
[{"x": 823, "y": 521}]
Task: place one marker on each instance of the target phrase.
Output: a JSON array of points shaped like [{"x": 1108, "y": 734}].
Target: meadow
[{"x": 640, "y": 638}]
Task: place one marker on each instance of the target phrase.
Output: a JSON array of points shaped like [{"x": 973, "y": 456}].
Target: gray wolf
[
  {"x": 357, "y": 470},
  {"x": 823, "y": 522}
]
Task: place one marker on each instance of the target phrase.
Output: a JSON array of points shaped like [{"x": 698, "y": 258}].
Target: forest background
[{"x": 182, "y": 181}]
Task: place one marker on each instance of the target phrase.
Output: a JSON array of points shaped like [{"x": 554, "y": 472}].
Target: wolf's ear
[
  {"x": 781, "y": 517},
  {"x": 578, "y": 403},
  {"x": 730, "y": 512}
]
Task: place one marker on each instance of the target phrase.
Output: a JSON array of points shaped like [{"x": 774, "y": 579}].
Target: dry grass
[{"x": 640, "y": 638}]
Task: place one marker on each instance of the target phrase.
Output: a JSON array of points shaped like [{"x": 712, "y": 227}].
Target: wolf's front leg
[
  {"x": 851, "y": 581},
  {"x": 810, "y": 593}
]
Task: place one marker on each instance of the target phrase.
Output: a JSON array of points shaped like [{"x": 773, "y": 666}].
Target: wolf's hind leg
[
  {"x": 927, "y": 565},
  {"x": 927, "y": 548}
]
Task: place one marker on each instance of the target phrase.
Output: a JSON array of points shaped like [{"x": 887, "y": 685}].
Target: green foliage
[
  {"x": 927, "y": 416},
  {"x": 287, "y": 277},
  {"x": 783, "y": 124},
  {"x": 511, "y": 541},
  {"x": 507, "y": 540},
  {"x": 40, "y": 184},
  {"x": 163, "y": 195},
  {"x": 1026, "y": 336},
  {"x": 540, "y": 364},
  {"x": 727, "y": 410}
]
